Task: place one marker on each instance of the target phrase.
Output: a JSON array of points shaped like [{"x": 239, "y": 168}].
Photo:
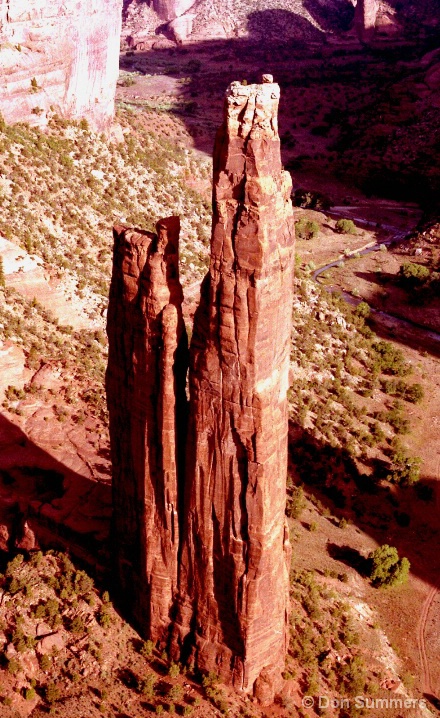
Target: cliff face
[
  {"x": 145, "y": 385},
  {"x": 230, "y": 587},
  {"x": 59, "y": 58}
]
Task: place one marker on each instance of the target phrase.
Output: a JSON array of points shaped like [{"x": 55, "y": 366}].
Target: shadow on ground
[{"x": 404, "y": 517}]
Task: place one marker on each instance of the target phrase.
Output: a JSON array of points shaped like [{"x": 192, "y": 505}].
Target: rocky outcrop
[
  {"x": 145, "y": 385},
  {"x": 374, "y": 19},
  {"x": 365, "y": 18},
  {"x": 170, "y": 9},
  {"x": 215, "y": 578},
  {"x": 59, "y": 58},
  {"x": 235, "y": 557}
]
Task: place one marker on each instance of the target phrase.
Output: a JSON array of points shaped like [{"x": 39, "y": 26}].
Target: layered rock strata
[
  {"x": 145, "y": 385},
  {"x": 234, "y": 572},
  {"x": 220, "y": 586},
  {"x": 59, "y": 58}
]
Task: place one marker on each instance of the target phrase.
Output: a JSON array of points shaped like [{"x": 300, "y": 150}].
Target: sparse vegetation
[
  {"x": 306, "y": 228},
  {"x": 387, "y": 569},
  {"x": 345, "y": 226}
]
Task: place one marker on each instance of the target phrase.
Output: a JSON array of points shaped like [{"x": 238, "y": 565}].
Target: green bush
[
  {"x": 52, "y": 692},
  {"x": 387, "y": 569},
  {"x": 146, "y": 650},
  {"x": 345, "y": 226},
  {"x": 146, "y": 685},
  {"x": 306, "y": 228},
  {"x": 296, "y": 503},
  {"x": 413, "y": 275}
]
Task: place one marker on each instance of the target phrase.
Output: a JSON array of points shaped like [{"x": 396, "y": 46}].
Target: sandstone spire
[
  {"x": 234, "y": 566},
  {"x": 145, "y": 385},
  {"x": 205, "y": 564}
]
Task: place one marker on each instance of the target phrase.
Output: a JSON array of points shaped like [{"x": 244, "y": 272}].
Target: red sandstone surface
[
  {"x": 236, "y": 552},
  {"x": 146, "y": 398},
  {"x": 232, "y": 583}
]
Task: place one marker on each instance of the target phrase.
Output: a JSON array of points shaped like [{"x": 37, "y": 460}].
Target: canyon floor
[{"x": 341, "y": 124}]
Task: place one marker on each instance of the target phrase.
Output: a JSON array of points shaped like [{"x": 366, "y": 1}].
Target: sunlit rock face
[
  {"x": 59, "y": 58},
  {"x": 200, "y": 535},
  {"x": 235, "y": 557}
]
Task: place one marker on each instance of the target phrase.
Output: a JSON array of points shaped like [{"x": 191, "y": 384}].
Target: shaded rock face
[
  {"x": 234, "y": 581},
  {"x": 145, "y": 385},
  {"x": 221, "y": 570},
  {"x": 69, "y": 51}
]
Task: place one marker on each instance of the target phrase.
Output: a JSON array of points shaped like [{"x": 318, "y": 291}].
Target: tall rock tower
[
  {"x": 145, "y": 385},
  {"x": 205, "y": 561},
  {"x": 234, "y": 572}
]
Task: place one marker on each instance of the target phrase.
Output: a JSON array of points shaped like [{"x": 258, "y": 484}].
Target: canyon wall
[
  {"x": 59, "y": 58},
  {"x": 205, "y": 560},
  {"x": 145, "y": 385}
]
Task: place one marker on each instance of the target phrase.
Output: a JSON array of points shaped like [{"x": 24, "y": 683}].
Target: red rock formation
[
  {"x": 170, "y": 9},
  {"x": 365, "y": 18},
  {"x": 68, "y": 50},
  {"x": 145, "y": 385},
  {"x": 374, "y": 18},
  {"x": 234, "y": 572},
  {"x": 219, "y": 589}
]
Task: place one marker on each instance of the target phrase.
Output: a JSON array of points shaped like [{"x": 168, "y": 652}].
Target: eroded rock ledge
[{"x": 225, "y": 606}]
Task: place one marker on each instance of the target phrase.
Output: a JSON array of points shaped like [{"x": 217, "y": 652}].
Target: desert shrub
[
  {"x": 103, "y": 617},
  {"x": 2, "y": 273},
  {"x": 146, "y": 649},
  {"x": 306, "y": 228},
  {"x": 405, "y": 469},
  {"x": 362, "y": 310},
  {"x": 146, "y": 685},
  {"x": 413, "y": 275},
  {"x": 345, "y": 226},
  {"x": 52, "y": 692},
  {"x": 386, "y": 568},
  {"x": 174, "y": 670},
  {"x": 296, "y": 503},
  {"x": 389, "y": 359},
  {"x": 175, "y": 694},
  {"x": 410, "y": 392},
  {"x": 45, "y": 662},
  {"x": 311, "y": 200},
  {"x": 77, "y": 625}
]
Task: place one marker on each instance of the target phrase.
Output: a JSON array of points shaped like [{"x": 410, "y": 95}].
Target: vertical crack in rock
[
  {"x": 234, "y": 565},
  {"x": 145, "y": 385}
]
